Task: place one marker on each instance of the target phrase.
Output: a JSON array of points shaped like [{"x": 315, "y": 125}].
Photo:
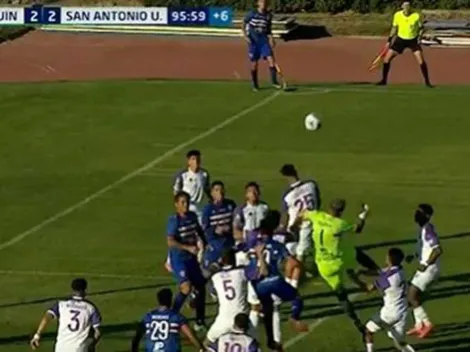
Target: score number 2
[{"x": 45, "y": 15}]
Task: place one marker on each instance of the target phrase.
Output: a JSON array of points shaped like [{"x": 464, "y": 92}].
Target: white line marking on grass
[
  {"x": 21, "y": 236},
  {"x": 88, "y": 275},
  {"x": 313, "y": 325}
]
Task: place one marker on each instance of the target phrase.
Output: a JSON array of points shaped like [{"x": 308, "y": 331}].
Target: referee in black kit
[{"x": 407, "y": 28}]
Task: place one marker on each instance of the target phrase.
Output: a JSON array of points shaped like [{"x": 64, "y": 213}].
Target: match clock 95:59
[{"x": 188, "y": 16}]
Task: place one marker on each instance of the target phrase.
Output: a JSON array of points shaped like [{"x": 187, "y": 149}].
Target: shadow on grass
[
  {"x": 411, "y": 241},
  {"x": 332, "y": 308},
  {"x": 91, "y": 294},
  {"x": 306, "y": 32}
]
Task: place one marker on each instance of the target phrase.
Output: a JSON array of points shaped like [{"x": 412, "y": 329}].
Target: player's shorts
[
  {"x": 399, "y": 45},
  {"x": 257, "y": 51},
  {"x": 223, "y": 324},
  {"x": 187, "y": 270},
  {"x": 276, "y": 286},
  {"x": 385, "y": 320},
  {"x": 423, "y": 279},
  {"x": 332, "y": 272}
]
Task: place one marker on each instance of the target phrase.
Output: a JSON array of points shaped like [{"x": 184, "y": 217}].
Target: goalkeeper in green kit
[{"x": 335, "y": 254}]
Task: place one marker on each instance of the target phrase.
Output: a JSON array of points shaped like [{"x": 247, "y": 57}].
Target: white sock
[
  {"x": 370, "y": 347},
  {"x": 420, "y": 316},
  {"x": 277, "y": 325},
  {"x": 254, "y": 318},
  {"x": 408, "y": 348}
]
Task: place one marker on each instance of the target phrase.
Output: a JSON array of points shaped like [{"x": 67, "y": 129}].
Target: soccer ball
[{"x": 312, "y": 123}]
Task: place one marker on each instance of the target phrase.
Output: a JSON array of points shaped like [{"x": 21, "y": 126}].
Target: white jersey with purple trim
[
  {"x": 76, "y": 317},
  {"x": 392, "y": 284},
  {"x": 427, "y": 242},
  {"x": 301, "y": 195},
  {"x": 196, "y": 184},
  {"x": 231, "y": 285},
  {"x": 248, "y": 217},
  {"x": 234, "y": 341}
]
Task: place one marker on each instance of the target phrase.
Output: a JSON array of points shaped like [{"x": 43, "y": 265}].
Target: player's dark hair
[
  {"x": 254, "y": 185},
  {"x": 165, "y": 297},
  {"x": 270, "y": 222},
  {"x": 426, "y": 209},
  {"x": 289, "y": 170},
  {"x": 228, "y": 256},
  {"x": 338, "y": 205},
  {"x": 181, "y": 194},
  {"x": 79, "y": 285},
  {"x": 242, "y": 321},
  {"x": 217, "y": 183},
  {"x": 193, "y": 152},
  {"x": 396, "y": 256}
]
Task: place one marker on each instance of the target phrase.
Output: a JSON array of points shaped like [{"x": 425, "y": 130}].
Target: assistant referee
[{"x": 407, "y": 28}]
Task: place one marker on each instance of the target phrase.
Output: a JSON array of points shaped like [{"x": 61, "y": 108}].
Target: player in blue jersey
[
  {"x": 258, "y": 34},
  {"x": 264, "y": 273},
  {"x": 161, "y": 328},
  {"x": 184, "y": 233},
  {"x": 217, "y": 221}
]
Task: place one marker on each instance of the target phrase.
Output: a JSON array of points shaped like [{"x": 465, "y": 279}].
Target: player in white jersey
[
  {"x": 391, "y": 282},
  {"x": 300, "y": 196},
  {"x": 230, "y": 284},
  {"x": 248, "y": 218},
  {"x": 77, "y": 316},
  {"x": 428, "y": 253},
  {"x": 237, "y": 340},
  {"x": 195, "y": 181}
]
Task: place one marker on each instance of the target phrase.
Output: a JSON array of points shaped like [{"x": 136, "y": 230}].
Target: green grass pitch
[{"x": 61, "y": 143}]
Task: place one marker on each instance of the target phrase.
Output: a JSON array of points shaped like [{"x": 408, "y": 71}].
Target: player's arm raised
[
  {"x": 186, "y": 330},
  {"x": 361, "y": 219},
  {"x": 263, "y": 266},
  {"x": 139, "y": 333},
  {"x": 47, "y": 317}
]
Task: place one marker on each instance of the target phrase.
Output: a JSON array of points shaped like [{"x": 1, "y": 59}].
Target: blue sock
[
  {"x": 273, "y": 72},
  {"x": 297, "y": 307},
  {"x": 201, "y": 305},
  {"x": 254, "y": 78},
  {"x": 179, "y": 301}
]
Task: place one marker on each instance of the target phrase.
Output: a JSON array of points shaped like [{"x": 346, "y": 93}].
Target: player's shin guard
[
  {"x": 179, "y": 301},
  {"x": 254, "y": 79},
  {"x": 254, "y": 318},
  {"x": 273, "y": 73},
  {"x": 201, "y": 305},
  {"x": 277, "y": 325}
]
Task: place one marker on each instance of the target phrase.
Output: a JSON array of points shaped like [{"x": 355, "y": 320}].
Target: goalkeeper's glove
[{"x": 365, "y": 211}]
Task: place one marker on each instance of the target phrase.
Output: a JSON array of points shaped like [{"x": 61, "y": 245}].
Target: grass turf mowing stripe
[{"x": 21, "y": 236}]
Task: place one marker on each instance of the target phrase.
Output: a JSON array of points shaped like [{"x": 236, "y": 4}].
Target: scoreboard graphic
[{"x": 43, "y": 15}]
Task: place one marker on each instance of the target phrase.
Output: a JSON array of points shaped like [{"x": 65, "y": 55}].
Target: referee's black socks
[
  {"x": 385, "y": 71},
  {"x": 425, "y": 72}
]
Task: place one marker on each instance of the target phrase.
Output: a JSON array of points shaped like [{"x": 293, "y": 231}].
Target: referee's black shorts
[{"x": 399, "y": 45}]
